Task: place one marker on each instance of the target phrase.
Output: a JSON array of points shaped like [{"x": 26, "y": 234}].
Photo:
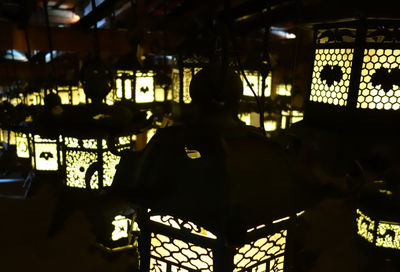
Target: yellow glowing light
[
  {"x": 159, "y": 94},
  {"x": 374, "y": 97},
  {"x": 22, "y": 144},
  {"x": 182, "y": 254},
  {"x": 284, "y": 89},
  {"x": 78, "y": 161},
  {"x": 365, "y": 226},
  {"x": 128, "y": 89},
  {"x": 121, "y": 227},
  {"x": 388, "y": 235},
  {"x": 33, "y": 99},
  {"x": 270, "y": 125},
  {"x": 386, "y": 192},
  {"x": 150, "y": 133},
  {"x": 192, "y": 153},
  {"x": 144, "y": 91},
  {"x": 255, "y": 80},
  {"x": 118, "y": 84},
  {"x": 245, "y": 117},
  {"x": 46, "y": 157},
  {"x": 337, "y": 93},
  {"x": 281, "y": 220},
  {"x": 292, "y": 117},
  {"x": 260, "y": 251}
]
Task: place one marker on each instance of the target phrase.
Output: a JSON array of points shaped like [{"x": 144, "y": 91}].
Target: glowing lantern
[
  {"x": 178, "y": 95},
  {"x": 255, "y": 80},
  {"x": 284, "y": 89},
  {"x": 137, "y": 86},
  {"x": 253, "y": 119},
  {"x": 178, "y": 245},
  {"x": 71, "y": 95},
  {"x": 33, "y": 99},
  {"x": 90, "y": 162},
  {"x": 380, "y": 233},
  {"x": 290, "y": 117},
  {"x": 46, "y": 153},
  {"x": 123, "y": 232},
  {"x": 355, "y": 67},
  {"x": 22, "y": 143}
]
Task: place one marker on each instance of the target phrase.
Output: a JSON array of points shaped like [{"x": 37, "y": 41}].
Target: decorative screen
[
  {"x": 264, "y": 254},
  {"x": 331, "y": 76},
  {"x": 365, "y": 226},
  {"x": 380, "y": 80},
  {"x": 77, "y": 163}
]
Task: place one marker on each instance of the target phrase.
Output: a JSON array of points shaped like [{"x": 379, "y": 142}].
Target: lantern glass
[
  {"x": 121, "y": 227},
  {"x": 290, "y": 117},
  {"x": 81, "y": 154},
  {"x": 284, "y": 89},
  {"x": 159, "y": 94},
  {"x": 144, "y": 89},
  {"x": 46, "y": 154},
  {"x": 22, "y": 143},
  {"x": 255, "y": 80},
  {"x": 375, "y": 62},
  {"x": 331, "y": 76}
]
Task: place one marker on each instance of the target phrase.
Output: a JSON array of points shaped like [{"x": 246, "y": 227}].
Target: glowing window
[
  {"x": 144, "y": 91},
  {"x": 377, "y": 89},
  {"x": 331, "y": 76}
]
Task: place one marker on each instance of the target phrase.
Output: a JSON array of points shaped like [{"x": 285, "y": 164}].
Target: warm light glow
[
  {"x": 375, "y": 97},
  {"x": 46, "y": 157},
  {"x": 290, "y": 116},
  {"x": 159, "y": 94},
  {"x": 22, "y": 144},
  {"x": 150, "y": 133},
  {"x": 179, "y": 255},
  {"x": 33, "y": 99},
  {"x": 144, "y": 91},
  {"x": 281, "y": 220},
  {"x": 337, "y": 92},
  {"x": 188, "y": 74},
  {"x": 80, "y": 155},
  {"x": 118, "y": 85},
  {"x": 192, "y": 153},
  {"x": 245, "y": 117},
  {"x": 388, "y": 235},
  {"x": 365, "y": 226},
  {"x": 121, "y": 227},
  {"x": 259, "y": 253},
  {"x": 255, "y": 80},
  {"x": 270, "y": 125},
  {"x": 284, "y": 89}
]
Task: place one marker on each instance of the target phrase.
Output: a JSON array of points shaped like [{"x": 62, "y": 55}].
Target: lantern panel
[
  {"x": 388, "y": 235},
  {"x": 46, "y": 155},
  {"x": 181, "y": 255},
  {"x": 110, "y": 161},
  {"x": 175, "y": 85},
  {"x": 121, "y": 227},
  {"x": 378, "y": 89},
  {"x": 77, "y": 162},
  {"x": 144, "y": 91},
  {"x": 264, "y": 252},
  {"x": 331, "y": 76},
  {"x": 187, "y": 77},
  {"x": 365, "y": 226},
  {"x": 22, "y": 144}
]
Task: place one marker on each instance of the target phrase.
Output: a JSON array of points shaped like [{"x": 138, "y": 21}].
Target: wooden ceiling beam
[{"x": 64, "y": 39}]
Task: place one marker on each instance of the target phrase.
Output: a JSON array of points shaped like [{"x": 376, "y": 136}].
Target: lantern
[
  {"x": 253, "y": 119},
  {"x": 122, "y": 233},
  {"x": 178, "y": 245},
  {"x": 183, "y": 95},
  {"x": 354, "y": 69},
  {"x": 33, "y": 99},
  {"x": 22, "y": 144},
  {"x": 46, "y": 153},
  {"x": 71, "y": 95},
  {"x": 284, "y": 89},
  {"x": 90, "y": 162},
  {"x": 138, "y": 86},
  {"x": 289, "y": 117},
  {"x": 255, "y": 80}
]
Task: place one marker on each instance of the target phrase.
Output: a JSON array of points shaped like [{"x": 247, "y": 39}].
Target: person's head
[{"x": 216, "y": 88}]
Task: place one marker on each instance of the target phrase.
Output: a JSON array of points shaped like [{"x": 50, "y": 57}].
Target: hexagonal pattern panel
[
  {"x": 378, "y": 89},
  {"x": 331, "y": 76}
]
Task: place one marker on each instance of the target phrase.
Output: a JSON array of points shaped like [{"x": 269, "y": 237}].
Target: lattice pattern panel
[
  {"x": 264, "y": 254},
  {"x": 331, "y": 76},
  {"x": 380, "y": 80},
  {"x": 365, "y": 226},
  {"x": 77, "y": 162},
  {"x": 22, "y": 143},
  {"x": 168, "y": 254},
  {"x": 110, "y": 162},
  {"x": 179, "y": 224},
  {"x": 387, "y": 233}
]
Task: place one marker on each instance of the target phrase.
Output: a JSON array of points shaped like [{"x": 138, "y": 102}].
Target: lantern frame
[{"x": 167, "y": 243}]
